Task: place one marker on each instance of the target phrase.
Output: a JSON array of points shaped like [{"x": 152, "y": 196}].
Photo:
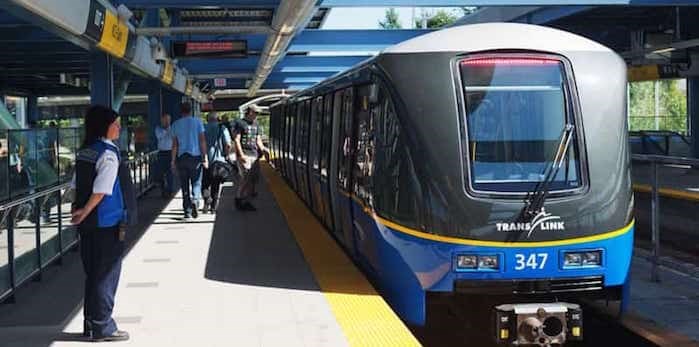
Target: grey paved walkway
[
  {"x": 230, "y": 280},
  {"x": 672, "y": 303}
]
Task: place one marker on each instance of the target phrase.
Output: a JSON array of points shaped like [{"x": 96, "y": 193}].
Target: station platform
[
  {"x": 271, "y": 278},
  {"x": 675, "y": 181},
  {"x": 230, "y": 279}
]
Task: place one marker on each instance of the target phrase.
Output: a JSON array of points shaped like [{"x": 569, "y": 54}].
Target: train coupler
[{"x": 538, "y": 324}]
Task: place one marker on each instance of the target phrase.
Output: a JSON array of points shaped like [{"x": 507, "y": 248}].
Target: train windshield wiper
[{"x": 535, "y": 199}]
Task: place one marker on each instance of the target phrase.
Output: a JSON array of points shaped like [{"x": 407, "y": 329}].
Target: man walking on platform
[
  {"x": 219, "y": 141},
  {"x": 247, "y": 140},
  {"x": 189, "y": 156},
  {"x": 163, "y": 134}
]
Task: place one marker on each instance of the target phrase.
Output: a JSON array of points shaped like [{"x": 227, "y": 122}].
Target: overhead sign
[
  {"x": 168, "y": 73},
  {"x": 652, "y": 72},
  {"x": 210, "y": 49},
  {"x": 219, "y": 82}
]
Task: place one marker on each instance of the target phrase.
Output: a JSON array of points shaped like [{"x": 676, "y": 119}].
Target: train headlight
[
  {"x": 477, "y": 262},
  {"x": 467, "y": 262},
  {"x": 592, "y": 258},
  {"x": 576, "y": 259},
  {"x": 488, "y": 262},
  {"x": 572, "y": 259}
]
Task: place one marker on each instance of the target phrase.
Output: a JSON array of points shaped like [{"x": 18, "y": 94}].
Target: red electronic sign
[{"x": 236, "y": 48}]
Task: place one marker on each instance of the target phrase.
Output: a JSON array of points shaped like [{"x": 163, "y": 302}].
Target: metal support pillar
[
  {"x": 101, "y": 79},
  {"x": 121, "y": 87},
  {"x": 693, "y": 112},
  {"x": 155, "y": 110},
  {"x": 171, "y": 103},
  {"x": 32, "y": 109},
  {"x": 655, "y": 224}
]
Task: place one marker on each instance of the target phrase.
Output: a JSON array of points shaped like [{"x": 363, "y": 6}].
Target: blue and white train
[{"x": 488, "y": 162}]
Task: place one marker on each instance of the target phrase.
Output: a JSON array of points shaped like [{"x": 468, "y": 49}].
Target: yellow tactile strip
[
  {"x": 365, "y": 318},
  {"x": 668, "y": 192}
]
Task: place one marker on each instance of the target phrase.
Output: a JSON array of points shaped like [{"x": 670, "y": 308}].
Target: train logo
[{"x": 544, "y": 221}]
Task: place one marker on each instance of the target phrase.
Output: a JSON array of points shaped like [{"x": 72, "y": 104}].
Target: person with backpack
[{"x": 219, "y": 141}]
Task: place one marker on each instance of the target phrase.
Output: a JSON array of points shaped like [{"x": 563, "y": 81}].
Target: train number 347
[{"x": 533, "y": 261}]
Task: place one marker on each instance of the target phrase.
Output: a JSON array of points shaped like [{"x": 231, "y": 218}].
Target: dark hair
[
  {"x": 97, "y": 121},
  {"x": 186, "y": 108}
]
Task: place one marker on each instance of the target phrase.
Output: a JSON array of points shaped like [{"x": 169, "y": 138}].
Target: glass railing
[
  {"x": 34, "y": 159},
  {"x": 35, "y": 227}
]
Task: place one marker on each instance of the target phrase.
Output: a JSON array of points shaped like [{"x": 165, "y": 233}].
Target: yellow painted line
[
  {"x": 668, "y": 192},
  {"x": 365, "y": 318},
  {"x": 454, "y": 240},
  {"x": 471, "y": 242}
]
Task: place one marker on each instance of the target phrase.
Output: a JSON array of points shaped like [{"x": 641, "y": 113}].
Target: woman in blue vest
[{"x": 100, "y": 213}]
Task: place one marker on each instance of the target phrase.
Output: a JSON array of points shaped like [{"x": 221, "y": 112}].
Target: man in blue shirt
[
  {"x": 164, "y": 135},
  {"x": 189, "y": 155}
]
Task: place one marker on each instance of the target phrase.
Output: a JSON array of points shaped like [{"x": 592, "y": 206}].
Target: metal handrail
[
  {"x": 654, "y": 160},
  {"x": 140, "y": 166},
  {"x": 47, "y": 191}
]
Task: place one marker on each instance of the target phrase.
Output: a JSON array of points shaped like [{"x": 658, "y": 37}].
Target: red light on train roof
[{"x": 509, "y": 61}]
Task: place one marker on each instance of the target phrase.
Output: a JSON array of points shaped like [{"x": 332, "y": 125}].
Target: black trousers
[
  {"x": 211, "y": 187},
  {"x": 101, "y": 252}
]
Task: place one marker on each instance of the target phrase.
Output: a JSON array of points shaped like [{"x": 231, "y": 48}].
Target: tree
[
  {"x": 437, "y": 20},
  {"x": 391, "y": 21},
  {"x": 672, "y": 106}
]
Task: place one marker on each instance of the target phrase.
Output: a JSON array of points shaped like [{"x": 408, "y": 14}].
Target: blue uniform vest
[{"x": 111, "y": 210}]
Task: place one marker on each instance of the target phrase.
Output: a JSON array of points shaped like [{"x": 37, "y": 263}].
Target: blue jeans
[
  {"x": 189, "y": 169},
  {"x": 101, "y": 252},
  {"x": 164, "y": 174}
]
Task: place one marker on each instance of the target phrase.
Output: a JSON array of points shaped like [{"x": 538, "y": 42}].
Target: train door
[
  {"x": 344, "y": 176},
  {"x": 324, "y": 161},
  {"x": 306, "y": 163},
  {"x": 281, "y": 139},
  {"x": 301, "y": 145},
  {"x": 314, "y": 156},
  {"x": 336, "y": 199}
]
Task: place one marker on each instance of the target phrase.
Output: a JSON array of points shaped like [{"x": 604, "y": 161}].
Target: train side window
[
  {"x": 299, "y": 131},
  {"x": 292, "y": 133},
  {"x": 343, "y": 171},
  {"x": 337, "y": 114},
  {"x": 306, "y": 130},
  {"x": 364, "y": 145},
  {"x": 396, "y": 185},
  {"x": 317, "y": 123},
  {"x": 326, "y": 135}
]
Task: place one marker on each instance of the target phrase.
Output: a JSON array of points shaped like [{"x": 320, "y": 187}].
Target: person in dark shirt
[{"x": 247, "y": 141}]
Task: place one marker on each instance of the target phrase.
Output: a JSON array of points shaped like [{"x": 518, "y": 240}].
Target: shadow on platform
[
  {"x": 44, "y": 308},
  {"x": 256, "y": 248}
]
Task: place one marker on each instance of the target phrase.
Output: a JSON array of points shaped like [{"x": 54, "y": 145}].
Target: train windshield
[{"x": 516, "y": 109}]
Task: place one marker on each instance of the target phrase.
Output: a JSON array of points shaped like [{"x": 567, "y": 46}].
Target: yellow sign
[
  {"x": 115, "y": 35},
  {"x": 188, "y": 88},
  {"x": 168, "y": 72},
  {"x": 643, "y": 73}
]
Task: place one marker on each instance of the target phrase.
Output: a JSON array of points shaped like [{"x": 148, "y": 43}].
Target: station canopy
[{"x": 249, "y": 47}]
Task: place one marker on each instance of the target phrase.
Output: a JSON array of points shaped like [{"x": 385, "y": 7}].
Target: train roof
[{"x": 492, "y": 36}]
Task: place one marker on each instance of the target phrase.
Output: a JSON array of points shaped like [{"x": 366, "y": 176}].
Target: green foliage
[
  {"x": 437, "y": 20},
  {"x": 672, "y": 106},
  {"x": 391, "y": 21}
]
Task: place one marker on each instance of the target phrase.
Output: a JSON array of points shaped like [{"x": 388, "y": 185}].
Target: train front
[{"x": 518, "y": 146}]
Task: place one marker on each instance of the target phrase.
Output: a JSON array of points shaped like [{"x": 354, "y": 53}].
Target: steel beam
[
  {"x": 693, "y": 113},
  {"x": 195, "y": 4},
  {"x": 101, "y": 79},
  {"x": 311, "y": 40},
  {"x": 191, "y": 30}
]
